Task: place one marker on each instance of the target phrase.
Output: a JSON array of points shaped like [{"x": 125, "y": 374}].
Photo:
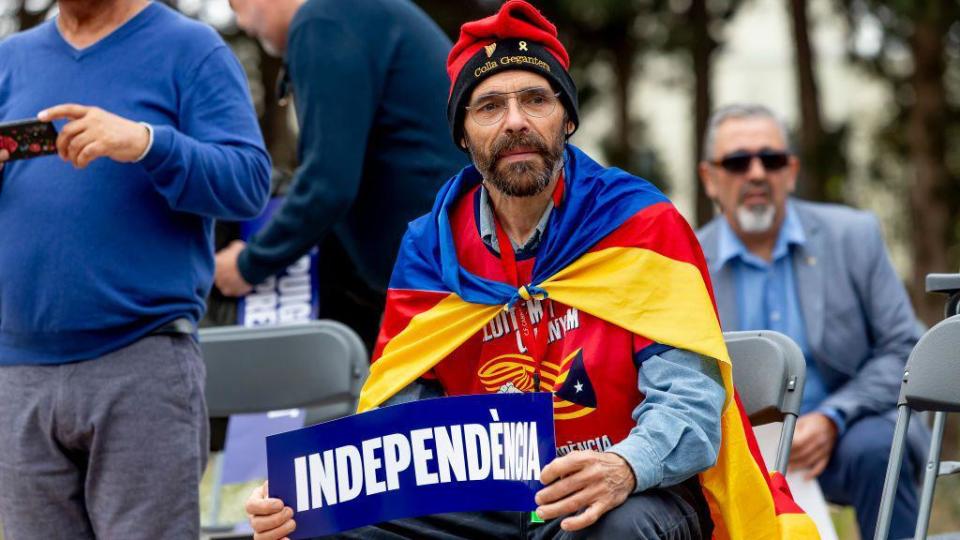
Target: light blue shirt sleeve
[
  {"x": 678, "y": 423},
  {"x": 415, "y": 391}
]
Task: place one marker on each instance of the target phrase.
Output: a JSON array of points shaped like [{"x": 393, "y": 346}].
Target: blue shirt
[
  {"x": 767, "y": 298},
  {"x": 488, "y": 229},
  {"x": 93, "y": 259}
]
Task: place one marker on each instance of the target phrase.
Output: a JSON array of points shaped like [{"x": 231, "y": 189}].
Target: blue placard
[
  {"x": 456, "y": 454},
  {"x": 292, "y": 296}
]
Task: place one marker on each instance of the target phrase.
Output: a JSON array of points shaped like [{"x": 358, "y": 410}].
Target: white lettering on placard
[
  {"x": 450, "y": 453},
  {"x": 281, "y": 301},
  {"x": 439, "y": 455},
  {"x": 396, "y": 458},
  {"x": 322, "y": 480},
  {"x": 300, "y": 473},
  {"x": 371, "y": 463},
  {"x": 599, "y": 444},
  {"x": 349, "y": 473}
]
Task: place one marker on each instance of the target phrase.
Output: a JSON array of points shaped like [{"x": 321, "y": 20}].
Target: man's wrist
[
  {"x": 146, "y": 149},
  {"x": 248, "y": 268},
  {"x": 836, "y": 416},
  {"x": 647, "y": 471}
]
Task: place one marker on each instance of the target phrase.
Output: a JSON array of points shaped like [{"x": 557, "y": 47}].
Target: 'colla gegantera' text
[{"x": 441, "y": 454}]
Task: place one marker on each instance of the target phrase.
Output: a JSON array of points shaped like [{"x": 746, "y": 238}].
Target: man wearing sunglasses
[{"x": 821, "y": 275}]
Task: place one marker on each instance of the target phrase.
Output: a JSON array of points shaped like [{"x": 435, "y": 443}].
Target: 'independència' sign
[{"x": 458, "y": 454}]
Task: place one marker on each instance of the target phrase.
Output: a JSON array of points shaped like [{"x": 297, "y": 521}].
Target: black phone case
[{"x": 28, "y": 138}]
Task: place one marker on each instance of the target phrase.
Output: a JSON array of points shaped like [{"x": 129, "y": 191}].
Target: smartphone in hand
[{"x": 25, "y": 139}]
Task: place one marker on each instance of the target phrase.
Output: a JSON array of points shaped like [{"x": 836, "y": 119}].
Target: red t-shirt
[{"x": 589, "y": 364}]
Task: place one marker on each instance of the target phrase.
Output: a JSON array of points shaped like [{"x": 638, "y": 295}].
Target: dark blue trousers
[{"x": 855, "y": 475}]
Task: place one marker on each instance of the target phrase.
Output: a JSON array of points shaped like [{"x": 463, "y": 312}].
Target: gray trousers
[{"x": 107, "y": 448}]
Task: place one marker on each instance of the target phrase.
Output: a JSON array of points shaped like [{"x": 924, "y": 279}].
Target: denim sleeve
[
  {"x": 415, "y": 391},
  {"x": 678, "y": 423}
]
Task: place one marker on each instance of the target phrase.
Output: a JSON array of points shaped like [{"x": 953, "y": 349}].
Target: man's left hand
[
  {"x": 594, "y": 482},
  {"x": 227, "y": 276},
  {"x": 93, "y": 133},
  {"x": 813, "y": 442}
]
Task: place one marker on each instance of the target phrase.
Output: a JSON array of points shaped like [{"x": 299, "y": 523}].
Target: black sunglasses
[{"x": 739, "y": 162}]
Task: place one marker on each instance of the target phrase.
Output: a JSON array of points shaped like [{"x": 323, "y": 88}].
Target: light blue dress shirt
[{"x": 767, "y": 299}]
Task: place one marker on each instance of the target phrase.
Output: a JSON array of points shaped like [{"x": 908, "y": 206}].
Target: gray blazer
[{"x": 860, "y": 324}]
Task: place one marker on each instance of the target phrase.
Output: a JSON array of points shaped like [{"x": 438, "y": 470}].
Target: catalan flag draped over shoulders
[{"x": 616, "y": 249}]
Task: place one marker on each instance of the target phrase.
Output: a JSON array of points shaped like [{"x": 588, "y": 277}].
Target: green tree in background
[
  {"x": 823, "y": 163},
  {"x": 918, "y": 57}
]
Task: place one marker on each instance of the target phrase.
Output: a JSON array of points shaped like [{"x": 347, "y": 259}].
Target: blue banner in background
[
  {"x": 455, "y": 454},
  {"x": 289, "y": 297}
]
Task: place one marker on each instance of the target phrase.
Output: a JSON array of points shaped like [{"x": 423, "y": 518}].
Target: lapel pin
[{"x": 811, "y": 261}]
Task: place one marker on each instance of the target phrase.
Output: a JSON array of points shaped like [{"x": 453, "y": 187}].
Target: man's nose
[
  {"x": 756, "y": 172},
  {"x": 515, "y": 120}
]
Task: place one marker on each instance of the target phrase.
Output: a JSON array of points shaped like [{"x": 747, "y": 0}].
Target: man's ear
[
  {"x": 706, "y": 177},
  {"x": 463, "y": 143},
  {"x": 570, "y": 127},
  {"x": 793, "y": 168}
]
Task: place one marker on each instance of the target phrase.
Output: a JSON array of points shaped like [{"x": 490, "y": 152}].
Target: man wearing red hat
[{"x": 608, "y": 308}]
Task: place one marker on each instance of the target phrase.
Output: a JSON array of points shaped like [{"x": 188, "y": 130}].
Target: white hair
[{"x": 738, "y": 110}]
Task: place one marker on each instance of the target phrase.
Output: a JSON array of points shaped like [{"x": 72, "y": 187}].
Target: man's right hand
[
  {"x": 269, "y": 518},
  {"x": 4, "y": 156},
  {"x": 226, "y": 275}
]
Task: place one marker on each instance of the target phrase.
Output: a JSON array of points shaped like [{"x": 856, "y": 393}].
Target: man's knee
[
  {"x": 653, "y": 514},
  {"x": 865, "y": 448}
]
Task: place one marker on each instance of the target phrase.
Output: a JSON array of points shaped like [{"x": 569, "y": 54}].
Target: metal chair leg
[
  {"x": 930, "y": 476},
  {"x": 893, "y": 472},
  {"x": 786, "y": 441}
]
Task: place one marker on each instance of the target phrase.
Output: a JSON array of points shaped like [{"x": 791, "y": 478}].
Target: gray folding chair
[
  {"x": 319, "y": 366},
  {"x": 768, "y": 372},
  {"x": 931, "y": 382}
]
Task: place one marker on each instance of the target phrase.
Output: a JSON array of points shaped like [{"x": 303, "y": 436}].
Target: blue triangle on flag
[{"x": 577, "y": 388}]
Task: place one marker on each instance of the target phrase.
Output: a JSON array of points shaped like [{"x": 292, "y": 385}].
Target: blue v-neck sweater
[{"x": 93, "y": 259}]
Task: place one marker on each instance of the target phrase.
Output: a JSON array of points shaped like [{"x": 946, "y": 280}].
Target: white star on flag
[{"x": 578, "y": 386}]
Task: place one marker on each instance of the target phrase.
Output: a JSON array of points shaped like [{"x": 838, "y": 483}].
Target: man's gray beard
[
  {"x": 511, "y": 182},
  {"x": 523, "y": 178},
  {"x": 758, "y": 219}
]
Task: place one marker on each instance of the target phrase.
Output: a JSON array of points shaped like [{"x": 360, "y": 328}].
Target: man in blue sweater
[
  {"x": 369, "y": 85},
  {"x": 106, "y": 260}
]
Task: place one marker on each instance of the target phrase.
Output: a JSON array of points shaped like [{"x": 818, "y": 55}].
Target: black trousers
[{"x": 676, "y": 513}]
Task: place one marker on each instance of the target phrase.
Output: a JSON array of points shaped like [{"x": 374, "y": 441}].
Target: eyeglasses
[
  {"x": 739, "y": 162},
  {"x": 491, "y": 108}
]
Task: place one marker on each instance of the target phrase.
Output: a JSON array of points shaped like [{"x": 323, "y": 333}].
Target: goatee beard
[
  {"x": 757, "y": 219},
  {"x": 524, "y": 178}
]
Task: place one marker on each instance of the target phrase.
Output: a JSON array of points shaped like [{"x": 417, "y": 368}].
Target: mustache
[
  {"x": 509, "y": 142},
  {"x": 752, "y": 189}
]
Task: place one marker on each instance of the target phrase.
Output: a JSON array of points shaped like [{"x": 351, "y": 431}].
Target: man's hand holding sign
[
  {"x": 541, "y": 273},
  {"x": 585, "y": 479},
  {"x": 594, "y": 482},
  {"x": 466, "y": 453}
]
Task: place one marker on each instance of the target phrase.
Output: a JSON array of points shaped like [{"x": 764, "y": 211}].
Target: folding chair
[
  {"x": 769, "y": 372},
  {"x": 931, "y": 382},
  {"x": 319, "y": 366}
]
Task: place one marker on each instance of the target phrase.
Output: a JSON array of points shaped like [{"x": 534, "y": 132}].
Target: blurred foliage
[{"x": 918, "y": 56}]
